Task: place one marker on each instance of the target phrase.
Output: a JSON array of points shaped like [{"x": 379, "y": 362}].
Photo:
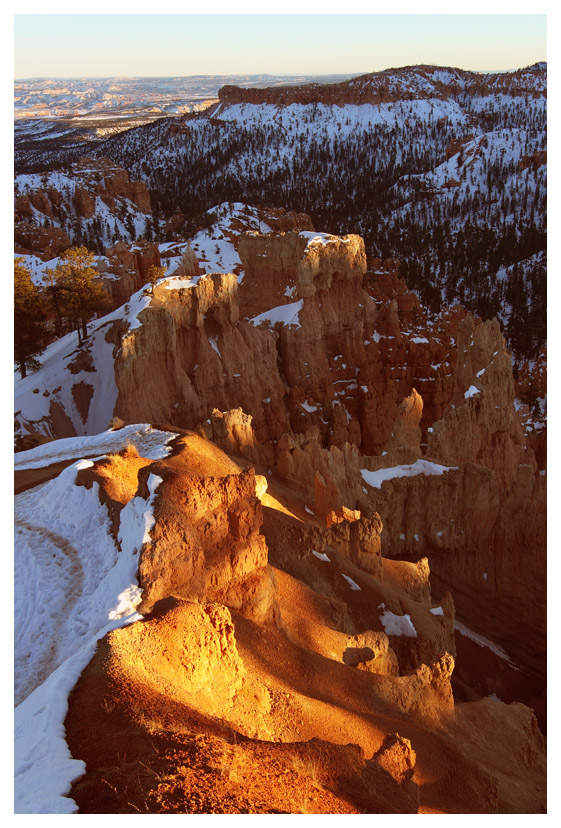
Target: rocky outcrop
[
  {"x": 46, "y": 242},
  {"x": 125, "y": 269},
  {"x": 481, "y": 425},
  {"x": 205, "y": 544},
  {"x": 45, "y": 217},
  {"x": 102, "y": 177},
  {"x": 192, "y": 356},
  {"x": 283, "y": 221},
  {"x": 355, "y": 536},
  {"x": 410, "y": 82},
  {"x": 406, "y": 434},
  {"x": 84, "y": 203},
  {"x": 233, "y": 432},
  {"x": 209, "y": 550},
  {"x": 534, "y": 161},
  {"x": 279, "y": 270},
  {"x": 349, "y": 382}
]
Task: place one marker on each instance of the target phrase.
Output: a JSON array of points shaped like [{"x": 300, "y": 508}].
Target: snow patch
[
  {"x": 425, "y": 467},
  {"x": 471, "y": 392},
  {"x": 321, "y": 556},
  {"x": 482, "y": 641},
  {"x": 285, "y": 314},
  {"x": 398, "y": 625},
  {"x": 213, "y": 342}
]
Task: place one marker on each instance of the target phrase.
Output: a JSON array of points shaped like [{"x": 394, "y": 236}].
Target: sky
[{"x": 105, "y": 45}]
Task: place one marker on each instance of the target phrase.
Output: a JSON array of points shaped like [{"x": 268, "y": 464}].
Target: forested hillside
[{"x": 450, "y": 179}]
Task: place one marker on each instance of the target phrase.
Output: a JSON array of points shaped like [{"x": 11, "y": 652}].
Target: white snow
[
  {"x": 325, "y": 121},
  {"x": 321, "y": 556},
  {"x": 180, "y": 283},
  {"x": 214, "y": 249},
  {"x": 482, "y": 641},
  {"x": 285, "y": 314},
  {"x": 420, "y": 340},
  {"x": 54, "y": 382},
  {"x": 63, "y": 604},
  {"x": 425, "y": 467},
  {"x": 148, "y": 441},
  {"x": 213, "y": 342},
  {"x": 321, "y": 239},
  {"x": 353, "y": 584},
  {"x": 398, "y": 624},
  {"x": 309, "y": 408},
  {"x": 437, "y": 611},
  {"x": 471, "y": 392}
]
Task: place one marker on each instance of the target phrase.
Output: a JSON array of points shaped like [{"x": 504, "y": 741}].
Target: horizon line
[{"x": 272, "y": 74}]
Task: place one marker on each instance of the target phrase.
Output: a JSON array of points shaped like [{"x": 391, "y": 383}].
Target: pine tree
[
  {"x": 30, "y": 333},
  {"x": 155, "y": 273},
  {"x": 75, "y": 279}
]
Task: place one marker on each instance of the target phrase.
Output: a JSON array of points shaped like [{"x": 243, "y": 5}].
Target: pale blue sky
[{"x": 101, "y": 45}]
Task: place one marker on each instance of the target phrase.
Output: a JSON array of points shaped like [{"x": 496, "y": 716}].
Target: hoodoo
[{"x": 280, "y": 500}]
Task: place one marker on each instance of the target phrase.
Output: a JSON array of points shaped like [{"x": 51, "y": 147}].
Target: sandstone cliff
[
  {"x": 390, "y": 85},
  {"x": 242, "y": 673},
  {"x": 338, "y": 375}
]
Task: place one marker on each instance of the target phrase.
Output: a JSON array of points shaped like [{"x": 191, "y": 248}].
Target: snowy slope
[
  {"x": 126, "y": 222},
  {"x": 73, "y": 584},
  {"x": 216, "y": 246},
  {"x": 59, "y": 373}
]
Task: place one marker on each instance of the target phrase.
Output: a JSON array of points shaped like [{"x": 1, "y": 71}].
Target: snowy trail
[
  {"x": 65, "y": 555},
  {"x": 45, "y": 557},
  {"x": 73, "y": 584}
]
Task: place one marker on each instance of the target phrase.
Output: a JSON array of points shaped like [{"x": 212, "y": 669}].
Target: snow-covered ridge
[
  {"x": 482, "y": 641},
  {"x": 216, "y": 246},
  {"x": 148, "y": 441},
  {"x": 73, "y": 585},
  {"x": 405, "y": 83}
]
